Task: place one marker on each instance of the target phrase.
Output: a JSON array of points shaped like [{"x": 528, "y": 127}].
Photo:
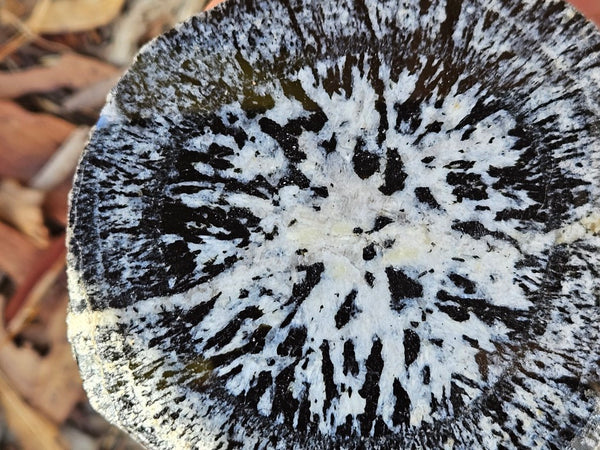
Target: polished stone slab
[{"x": 351, "y": 224}]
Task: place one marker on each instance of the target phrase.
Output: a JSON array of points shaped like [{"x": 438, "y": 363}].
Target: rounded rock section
[{"x": 348, "y": 224}]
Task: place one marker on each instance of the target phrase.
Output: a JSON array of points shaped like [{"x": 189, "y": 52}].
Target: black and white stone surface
[{"x": 347, "y": 224}]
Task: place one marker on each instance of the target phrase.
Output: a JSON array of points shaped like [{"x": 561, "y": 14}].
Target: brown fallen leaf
[
  {"x": 143, "y": 20},
  {"x": 28, "y": 140},
  {"x": 90, "y": 98},
  {"x": 62, "y": 163},
  {"x": 23, "y": 304},
  {"x": 68, "y": 70},
  {"x": 41, "y": 367},
  {"x": 78, "y": 15},
  {"x": 34, "y": 431},
  {"x": 17, "y": 254},
  {"x": 21, "y": 207},
  {"x": 589, "y": 8},
  {"x": 213, "y": 3},
  {"x": 60, "y": 16}
]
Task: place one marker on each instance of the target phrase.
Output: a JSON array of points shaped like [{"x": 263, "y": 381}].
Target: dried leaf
[
  {"x": 35, "y": 432},
  {"x": 21, "y": 207},
  {"x": 77, "y": 15},
  {"x": 17, "y": 254},
  {"x": 91, "y": 97},
  {"x": 63, "y": 161},
  {"x": 69, "y": 70},
  {"x": 42, "y": 368},
  {"x": 213, "y": 3},
  {"x": 589, "y": 8},
  {"x": 143, "y": 20},
  {"x": 56, "y": 204},
  {"x": 27, "y": 140},
  {"x": 41, "y": 277}
]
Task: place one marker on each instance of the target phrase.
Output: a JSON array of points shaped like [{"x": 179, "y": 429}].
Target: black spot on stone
[
  {"x": 347, "y": 310},
  {"x": 269, "y": 236},
  {"x": 320, "y": 191},
  {"x": 294, "y": 176},
  {"x": 369, "y": 252},
  {"x": 426, "y": 375},
  {"x": 464, "y": 283},
  {"x": 293, "y": 343},
  {"x": 365, "y": 163},
  {"x": 224, "y": 336},
  {"x": 394, "y": 175},
  {"x": 258, "y": 386},
  {"x": 408, "y": 117},
  {"x": 327, "y": 371},
  {"x": 412, "y": 345},
  {"x": 288, "y": 143},
  {"x": 370, "y": 390},
  {"x": 456, "y": 397},
  {"x": 456, "y": 313},
  {"x": 380, "y": 223},
  {"x": 467, "y": 185},
  {"x": 401, "y": 415},
  {"x": 370, "y": 279},
  {"x": 437, "y": 342},
  {"x": 472, "y": 342},
  {"x": 434, "y": 127},
  {"x": 460, "y": 164},
  {"x": 424, "y": 195},
  {"x": 196, "y": 314},
  {"x": 350, "y": 363},
  {"x": 473, "y": 228},
  {"x": 300, "y": 291},
  {"x": 330, "y": 145},
  {"x": 401, "y": 287},
  {"x": 284, "y": 403}
]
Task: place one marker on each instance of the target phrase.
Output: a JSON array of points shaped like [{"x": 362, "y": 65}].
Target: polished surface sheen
[{"x": 356, "y": 224}]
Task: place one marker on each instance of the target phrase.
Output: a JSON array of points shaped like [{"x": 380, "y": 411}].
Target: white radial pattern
[{"x": 354, "y": 225}]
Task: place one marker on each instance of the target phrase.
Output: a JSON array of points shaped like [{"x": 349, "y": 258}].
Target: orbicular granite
[{"x": 347, "y": 224}]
